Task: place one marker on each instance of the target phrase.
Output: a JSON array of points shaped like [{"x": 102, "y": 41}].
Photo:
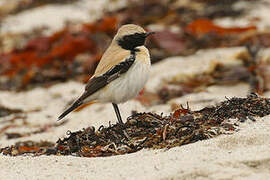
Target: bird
[{"x": 121, "y": 73}]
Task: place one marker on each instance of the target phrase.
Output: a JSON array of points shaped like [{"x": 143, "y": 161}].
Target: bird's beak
[{"x": 149, "y": 33}]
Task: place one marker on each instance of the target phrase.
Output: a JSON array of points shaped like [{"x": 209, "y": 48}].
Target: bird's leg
[{"x": 117, "y": 112}]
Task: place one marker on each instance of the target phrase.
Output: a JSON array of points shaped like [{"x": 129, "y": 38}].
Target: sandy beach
[{"x": 240, "y": 155}]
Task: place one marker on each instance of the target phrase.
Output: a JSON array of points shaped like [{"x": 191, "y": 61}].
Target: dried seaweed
[
  {"x": 41, "y": 129},
  {"x": 252, "y": 71},
  {"x": 170, "y": 12},
  {"x": 221, "y": 75},
  {"x": 17, "y": 118},
  {"x": 148, "y": 130},
  {"x": 194, "y": 19},
  {"x": 4, "y": 111},
  {"x": 28, "y": 147}
]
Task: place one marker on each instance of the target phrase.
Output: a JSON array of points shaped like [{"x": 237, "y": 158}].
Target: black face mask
[{"x": 130, "y": 42}]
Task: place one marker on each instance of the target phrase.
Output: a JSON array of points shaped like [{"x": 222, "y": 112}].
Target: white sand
[{"x": 244, "y": 155}]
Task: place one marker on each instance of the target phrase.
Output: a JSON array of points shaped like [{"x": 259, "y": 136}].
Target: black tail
[{"x": 71, "y": 108}]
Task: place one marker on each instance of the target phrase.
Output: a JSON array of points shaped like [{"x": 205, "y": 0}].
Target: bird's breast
[{"x": 129, "y": 84}]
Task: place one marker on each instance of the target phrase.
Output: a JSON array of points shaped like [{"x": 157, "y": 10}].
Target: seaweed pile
[{"x": 148, "y": 130}]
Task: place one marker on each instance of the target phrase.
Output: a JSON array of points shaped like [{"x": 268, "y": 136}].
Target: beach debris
[
  {"x": 202, "y": 27},
  {"x": 252, "y": 70},
  {"x": 191, "y": 22},
  {"x": 4, "y": 111},
  {"x": 149, "y": 130},
  {"x": 39, "y": 129},
  {"x": 17, "y": 118},
  {"x": 28, "y": 147}
]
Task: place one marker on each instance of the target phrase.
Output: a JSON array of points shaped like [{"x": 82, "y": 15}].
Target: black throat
[{"x": 130, "y": 42}]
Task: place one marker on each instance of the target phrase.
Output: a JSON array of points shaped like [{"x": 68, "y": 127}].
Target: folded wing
[{"x": 96, "y": 83}]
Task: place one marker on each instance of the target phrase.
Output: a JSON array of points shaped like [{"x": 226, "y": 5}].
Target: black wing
[{"x": 97, "y": 83}]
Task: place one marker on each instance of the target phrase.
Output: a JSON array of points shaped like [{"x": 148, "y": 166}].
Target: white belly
[{"x": 128, "y": 85}]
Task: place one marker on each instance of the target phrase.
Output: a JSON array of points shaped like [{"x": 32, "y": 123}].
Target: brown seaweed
[
  {"x": 4, "y": 111},
  {"x": 149, "y": 130}
]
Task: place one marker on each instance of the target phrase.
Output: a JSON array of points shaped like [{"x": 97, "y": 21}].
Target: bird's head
[{"x": 131, "y": 36}]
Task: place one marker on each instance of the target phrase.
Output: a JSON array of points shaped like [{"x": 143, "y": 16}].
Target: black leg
[{"x": 117, "y": 113}]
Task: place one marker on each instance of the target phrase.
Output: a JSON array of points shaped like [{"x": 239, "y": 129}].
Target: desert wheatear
[{"x": 122, "y": 71}]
